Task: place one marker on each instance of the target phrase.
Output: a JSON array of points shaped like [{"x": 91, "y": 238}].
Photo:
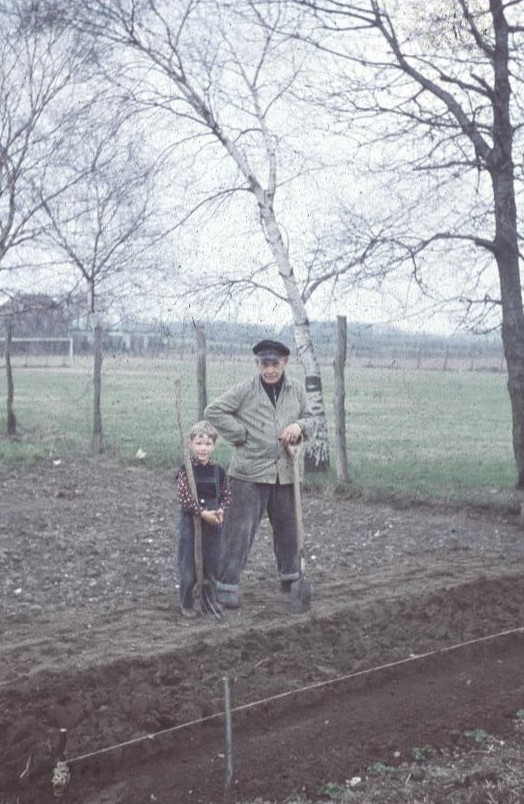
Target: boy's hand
[{"x": 212, "y": 517}]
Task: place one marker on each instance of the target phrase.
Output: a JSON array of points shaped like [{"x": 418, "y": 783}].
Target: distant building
[{"x": 36, "y": 315}]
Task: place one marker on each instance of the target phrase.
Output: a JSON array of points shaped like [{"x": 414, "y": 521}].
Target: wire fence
[
  {"x": 421, "y": 358},
  {"x": 434, "y": 358}
]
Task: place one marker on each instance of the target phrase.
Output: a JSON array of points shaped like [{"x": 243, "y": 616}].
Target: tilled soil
[{"x": 92, "y": 642}]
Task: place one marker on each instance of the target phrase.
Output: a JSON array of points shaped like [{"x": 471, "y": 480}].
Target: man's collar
[{"x": 282, "y": 381}]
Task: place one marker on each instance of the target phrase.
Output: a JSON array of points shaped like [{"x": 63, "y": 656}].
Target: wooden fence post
[
  {"x": 11, "y": 418},
  {"x": 97, "y": 441},
  {"x": 446, "y": 358},
  {"x": 419, "y": 357},
  {"x": 201, "y": 369},
  {"x": 339, "y": 363}
]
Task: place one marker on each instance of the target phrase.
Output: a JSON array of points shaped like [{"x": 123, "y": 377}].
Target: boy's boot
[{"x": 228, "y": 598}]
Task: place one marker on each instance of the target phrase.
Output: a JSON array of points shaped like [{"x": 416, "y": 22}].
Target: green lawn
[
  {"x": 431, "y": 432},
  {"x": 425, "y": 432}
]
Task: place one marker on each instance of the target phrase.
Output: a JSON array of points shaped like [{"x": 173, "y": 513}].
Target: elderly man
[{"x": 259, "y": 418}]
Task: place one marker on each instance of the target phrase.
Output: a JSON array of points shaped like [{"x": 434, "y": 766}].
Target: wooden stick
[
  {"x": 294, "y": 451},
  {"x": 62, "y": 742},
  {"x": 61, "y": 774},
  {"x": 201, "y": 368},
  {"x": 199, "y": 563},
  {"x": 229, "y": 741}
]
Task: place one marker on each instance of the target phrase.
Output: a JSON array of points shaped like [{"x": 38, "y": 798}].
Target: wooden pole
[
  {"x": 61, "y": 774},
  {"x": 446, "y": 358},
  {"x": 197, "y": 522},
  {"x": 201, "y": 369},
  {"x": 339, "y": 402},
  {"x": 62, "y": 744},
  {"x": 97, "y": 436},
  {"x": 229, "y": 742},
  {"x": 11, "y": 418}
]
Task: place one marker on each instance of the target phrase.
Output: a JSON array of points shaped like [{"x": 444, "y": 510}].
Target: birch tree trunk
[{"x": 316, "y": 453}]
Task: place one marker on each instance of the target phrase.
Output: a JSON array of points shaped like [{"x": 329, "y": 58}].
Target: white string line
[{"x": 288, "y": 693}]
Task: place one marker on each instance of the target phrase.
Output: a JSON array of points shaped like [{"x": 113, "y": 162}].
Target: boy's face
[{"x": 202, "y": 446}]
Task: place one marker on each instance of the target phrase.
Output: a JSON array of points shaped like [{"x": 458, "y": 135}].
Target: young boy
[{"x": 213, "y": 498}]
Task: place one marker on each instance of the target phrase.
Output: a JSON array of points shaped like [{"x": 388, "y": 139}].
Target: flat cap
[{"x": 271, "y": 350}]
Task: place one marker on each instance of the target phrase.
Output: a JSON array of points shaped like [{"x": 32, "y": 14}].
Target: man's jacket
[{"x": 245, "y": 417}]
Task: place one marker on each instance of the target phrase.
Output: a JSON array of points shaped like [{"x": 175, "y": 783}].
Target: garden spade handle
[
  {"x": 199, "y": 565},
  {"x": 294, "y": 450}
]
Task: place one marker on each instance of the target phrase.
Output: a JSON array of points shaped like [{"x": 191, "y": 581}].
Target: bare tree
[
  {"x": 210, "y": 65},
  {"x": 448, "y": 78},
  {"x": 103, "y": 228},
  {"x": 39, "y": 61}
]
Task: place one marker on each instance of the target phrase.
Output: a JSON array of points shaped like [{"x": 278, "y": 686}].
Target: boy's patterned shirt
[{"x": 185, "y": 497}]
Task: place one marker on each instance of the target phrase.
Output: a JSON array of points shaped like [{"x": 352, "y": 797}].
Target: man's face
[
  {"x": 271, "y": 370},
  {"x": 202, "y": 446}
]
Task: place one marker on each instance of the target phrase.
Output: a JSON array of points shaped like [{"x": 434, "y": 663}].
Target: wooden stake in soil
[
  {"x": 62, "y": 743},
  {"x": 229, "y": 742},
  {"x": 61, "y": 774}
]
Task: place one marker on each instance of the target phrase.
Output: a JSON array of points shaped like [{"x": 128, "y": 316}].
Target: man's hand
[{"x": 290, "y": 434}]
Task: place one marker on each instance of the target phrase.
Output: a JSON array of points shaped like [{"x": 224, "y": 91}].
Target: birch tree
[
  {"x": 212, "y": 69},
  {"x": 447, "y": 77}
]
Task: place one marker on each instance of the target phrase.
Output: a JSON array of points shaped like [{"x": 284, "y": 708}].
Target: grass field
[{"x": 429, "y": 433}]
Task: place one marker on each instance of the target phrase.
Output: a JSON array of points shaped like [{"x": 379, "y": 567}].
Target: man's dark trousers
[{"x": 250, "y": 502}]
